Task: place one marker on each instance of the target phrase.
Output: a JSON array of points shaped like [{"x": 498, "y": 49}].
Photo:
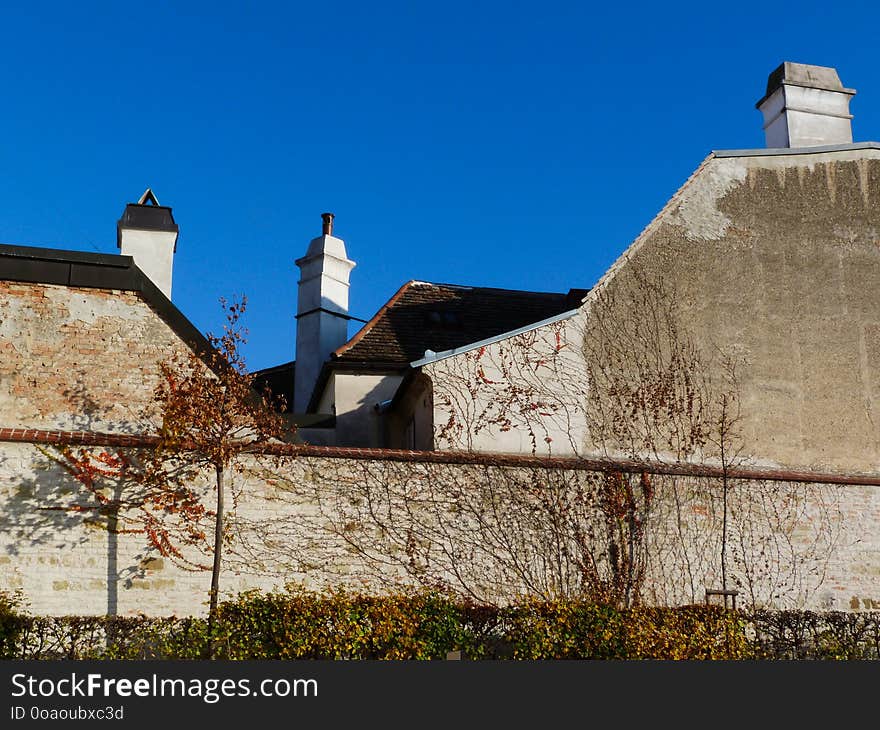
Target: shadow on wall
[
  {"x": 494, "y": 534},
  {"x": 367, "y": 423},
  {"x": 49, "y": 518},
  {"x": 88, "y": 414}
]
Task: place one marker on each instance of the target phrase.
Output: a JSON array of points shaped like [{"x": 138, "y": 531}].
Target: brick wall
[{"x": 78, "y": 358}]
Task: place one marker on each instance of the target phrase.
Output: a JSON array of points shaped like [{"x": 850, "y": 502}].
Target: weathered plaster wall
[
  {"x": 521, "y": 395},
  {"x": 773, "y": 260},
  {"x": 790, "y": 545},
  {"x": 78, "y": 358},
  {"x": 777, "y": 260}
]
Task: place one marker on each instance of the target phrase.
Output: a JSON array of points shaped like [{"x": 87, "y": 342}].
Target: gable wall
[
  {"x": 520, "y": 395},
  {"x": 773, "y": 261},
  {"x": 77, "y": 358},
  {"x": 776, "y": 260}
]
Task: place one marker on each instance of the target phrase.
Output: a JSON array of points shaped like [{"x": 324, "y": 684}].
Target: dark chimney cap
[
  {"x": 146, "y": 215},
  {"x": 327, "y": 228}
]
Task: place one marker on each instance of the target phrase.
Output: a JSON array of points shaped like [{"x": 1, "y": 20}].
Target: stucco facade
[
  {"x": 354, "y": 399},
  {"x": 523, "y": 394},
  {"x": 772, "y": 258}
]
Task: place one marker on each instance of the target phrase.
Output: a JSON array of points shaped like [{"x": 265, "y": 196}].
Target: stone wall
[{"x": 485, "y": 530}]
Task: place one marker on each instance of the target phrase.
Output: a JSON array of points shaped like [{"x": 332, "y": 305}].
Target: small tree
[{"x": 208, "y": 416}]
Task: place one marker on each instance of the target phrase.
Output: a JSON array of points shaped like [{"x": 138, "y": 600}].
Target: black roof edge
[
  {"x": 38, "y": 253},
  {"x": 346, "y": 365},
  {"x": 386, "y": 366},
  {"x": 469, "y": 287},
  {"x": 274, "y": 368},
  {"x": 97, "y": 271}
]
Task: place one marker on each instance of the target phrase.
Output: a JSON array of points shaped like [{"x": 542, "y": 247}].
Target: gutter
[{"x": 773, "y": 151}]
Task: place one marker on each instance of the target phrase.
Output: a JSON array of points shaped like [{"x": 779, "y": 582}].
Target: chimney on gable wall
[
  {"x": 322, "y": 308},
  {"x": 147, "y": 232},
  {"x": 806, "y": 106}
]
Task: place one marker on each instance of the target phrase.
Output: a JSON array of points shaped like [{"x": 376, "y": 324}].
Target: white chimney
[
  {"x": 322, "y": 309},
  {"x": 148, "y": 233},
  {"x": 806, "y": 106}
]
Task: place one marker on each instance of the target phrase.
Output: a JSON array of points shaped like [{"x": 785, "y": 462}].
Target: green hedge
[
  {"x": 573, "y": 630},
  {"x": 340, "y": 625},
  {"x": 12, "y": 623},
  {"x": 808, "y": 635}
]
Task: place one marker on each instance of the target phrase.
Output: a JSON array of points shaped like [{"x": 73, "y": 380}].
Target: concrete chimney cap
[{"x": 802, "y": 74}]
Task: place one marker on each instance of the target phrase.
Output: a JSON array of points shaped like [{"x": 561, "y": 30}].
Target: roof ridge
[
  {"x": 794, "y": 151},
  {"x": 65, "y": 255},
  {"x": 493, "y": 288}
]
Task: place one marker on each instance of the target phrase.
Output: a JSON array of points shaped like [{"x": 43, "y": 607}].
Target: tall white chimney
[
  {"x": 806, "y": 106},
  {"x": 322, "y": 309},
  {"x": 147, "y": 232}
]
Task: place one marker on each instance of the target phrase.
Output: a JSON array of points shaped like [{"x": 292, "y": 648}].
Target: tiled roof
[
  {"x": 278, "y": 381},
  {"x": 423, "y": 316}
]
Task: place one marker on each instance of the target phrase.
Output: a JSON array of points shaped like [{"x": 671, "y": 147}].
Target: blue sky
[{"x": 517, "y": 145}]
